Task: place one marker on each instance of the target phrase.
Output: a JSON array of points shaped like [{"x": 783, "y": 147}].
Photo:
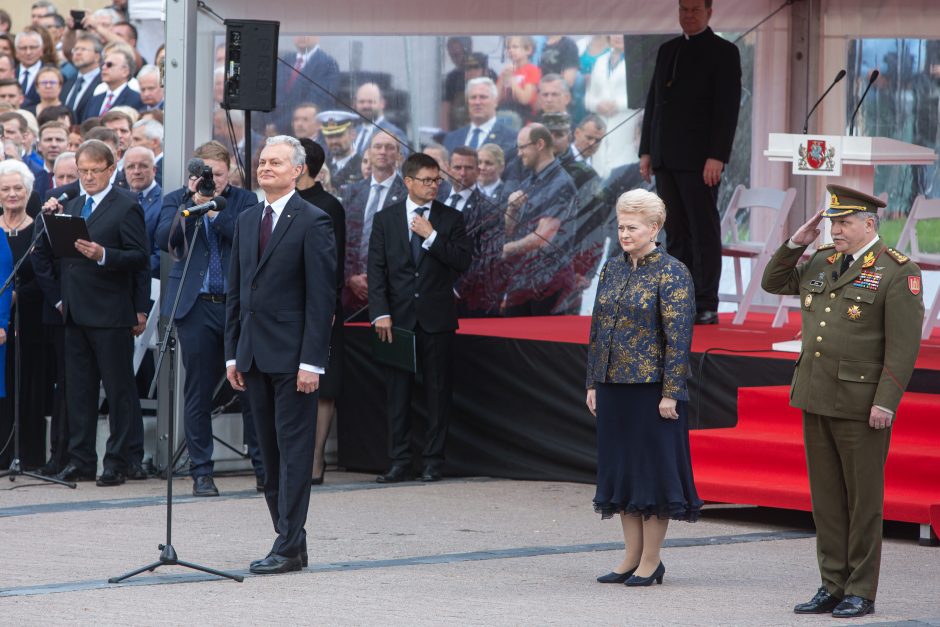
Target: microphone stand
[
  {"x": 16, "y": 468},
  {"x": 168, "y": 343}
]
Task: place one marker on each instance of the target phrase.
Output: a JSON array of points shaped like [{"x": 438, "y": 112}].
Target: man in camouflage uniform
[{"x": 862, "y": 312}]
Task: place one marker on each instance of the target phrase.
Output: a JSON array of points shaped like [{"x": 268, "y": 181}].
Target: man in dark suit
[
  {"x": 314, "y": 63},
  {"x": 484, "y": 128},
  {"x": 279, "y": 311},
  {"x": 200, "y": 316},
  {"x": 140, "y": 173},
  {"x": 116, "y": 71},
  {"x": 417, "y": 250},
  {"x": 363, "y": 201},
  {"x": 86, "y": 55},
  {"x": 98, "y": 301},
  {"x": 479, "y": 288},
  {"x": 370, "y": 103},
  {"x": 29, "y": 59},
  {"x": 688, "y": 129}
]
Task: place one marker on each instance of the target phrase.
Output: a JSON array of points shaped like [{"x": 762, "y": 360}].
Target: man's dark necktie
[
  {"x": 267, "y": 225},
  {"x": 216, "y": 284},
  {"x": 475, "y": 138},
  {"x": 454, "y": 199},
  {"x": 73, "y": 97},
  {"x": 846, "y": 262},
  {"x": 417, "y": 240},
  {"x": 25, "y": 83}
]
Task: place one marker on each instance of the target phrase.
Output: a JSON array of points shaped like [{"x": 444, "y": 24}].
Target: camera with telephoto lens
[{"x": 206, "y": 185}]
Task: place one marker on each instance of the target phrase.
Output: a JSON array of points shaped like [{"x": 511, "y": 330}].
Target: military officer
[
  {"x": 339, "y": 134},
  {"x": 862, "y": 312}
]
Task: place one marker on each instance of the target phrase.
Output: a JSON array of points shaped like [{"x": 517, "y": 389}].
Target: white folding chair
[
  {"x": 758, "y": 251},
  {"x": 922, "y": 209}
]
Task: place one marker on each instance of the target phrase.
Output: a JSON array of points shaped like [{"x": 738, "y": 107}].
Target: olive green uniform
[{"x": 861, "y": 335}]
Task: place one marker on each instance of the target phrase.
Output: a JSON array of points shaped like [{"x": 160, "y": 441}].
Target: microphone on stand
[
  {"x": 871, "y": 81},
  {"x": 216, "y": 204},
  {"x": 838, "y": 78}
]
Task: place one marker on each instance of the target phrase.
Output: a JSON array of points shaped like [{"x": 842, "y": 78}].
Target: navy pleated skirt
[{"x": 643, "y": 462}]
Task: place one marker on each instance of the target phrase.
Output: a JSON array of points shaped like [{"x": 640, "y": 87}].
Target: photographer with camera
[{"x": 200, "y": 318}]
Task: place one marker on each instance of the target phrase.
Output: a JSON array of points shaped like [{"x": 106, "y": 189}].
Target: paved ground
[{"x": 462, "y": 552}]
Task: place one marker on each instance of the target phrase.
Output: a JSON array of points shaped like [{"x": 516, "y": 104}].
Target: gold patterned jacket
[{"x": 641, "y": 329}]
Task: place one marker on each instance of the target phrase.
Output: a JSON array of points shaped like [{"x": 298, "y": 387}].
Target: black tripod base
[
  {"x": 168, "y": 558},
  {"x": 17, "y": 471}
]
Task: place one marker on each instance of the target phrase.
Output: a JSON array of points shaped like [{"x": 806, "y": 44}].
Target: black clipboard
[
  {"x": 400, "y": 353},
  {"x": 63, "y": 230}
]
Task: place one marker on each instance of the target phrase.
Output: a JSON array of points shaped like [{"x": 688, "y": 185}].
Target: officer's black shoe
[
  {"x": 853, "y": 607},
  {"x": 822, "y": 603}
]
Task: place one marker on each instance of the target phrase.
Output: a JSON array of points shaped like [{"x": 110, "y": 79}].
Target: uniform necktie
[
  {"x": 107, "y": 103},
  {"x": 417, "y": 240},
  {"x": 215, "y": 284},
  {"x": 267, "y": 225},
  {"x": 846, "y": 262},
  {"x": 76, "y": 89},
  {"x": 371, "y": 210},
  {"x": 454, "y": 200},
  {"x": 475, "y": 138},
  {"x": 86, "y": 210}
]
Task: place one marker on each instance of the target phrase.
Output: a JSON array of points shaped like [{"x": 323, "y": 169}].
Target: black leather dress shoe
[
  {"x": 275, "y": 564},
  {"x": 137, "y": 472},
  {"x": 49, "y": 469},
  {"x": 431, "y": 473},
  {"x": 706, "y": 317},
  {"x": 821, "y": 603},
  {"x": 615, "y": 577},
  {"x": 853, "y": 607},
  {"x": 396, "y": 474},
  {"x": 203, "y": 485},
  {"x": 110, "y": 478},
  {"x": 304, "y": 559},
  {"x": 71, "y": 472}
]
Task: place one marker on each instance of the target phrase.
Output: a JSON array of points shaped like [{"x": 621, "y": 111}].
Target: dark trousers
[
  {"x": 286, "y": 424},
  {"x": 202, "y": 350},
  {"x": 435, "y": 360},
  {"x": 693, "y": 230},
  {"x": 846, "y": 462},
  {"x": 59, "y": 426},
  {"x": 95, "y": 356}
]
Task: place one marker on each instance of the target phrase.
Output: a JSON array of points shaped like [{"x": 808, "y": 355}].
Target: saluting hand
[{"x": 808, "y": 233}]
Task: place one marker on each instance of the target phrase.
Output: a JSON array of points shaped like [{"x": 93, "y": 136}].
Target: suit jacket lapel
[
  {"x": 249, "y": 236},
  {"x": 101, "y": 208},
  {"x": 283, "y": 223}
]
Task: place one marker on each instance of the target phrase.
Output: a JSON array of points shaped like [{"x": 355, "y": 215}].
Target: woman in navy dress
[{"x": 638, "y": 363}]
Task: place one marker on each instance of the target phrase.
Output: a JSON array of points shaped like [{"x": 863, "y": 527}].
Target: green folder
[{"x": 400, "y": 353}]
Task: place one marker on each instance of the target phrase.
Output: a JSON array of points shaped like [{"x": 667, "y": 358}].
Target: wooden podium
[{"x": 844, "y": 160}]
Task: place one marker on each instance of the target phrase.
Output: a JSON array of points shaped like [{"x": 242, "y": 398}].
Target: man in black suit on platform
[
  {"x": 417, "y": 250},
  {"x": 279, "y": 311},
  {"x": 688, "y": 129},
  {"x": 98, "y": 301}
]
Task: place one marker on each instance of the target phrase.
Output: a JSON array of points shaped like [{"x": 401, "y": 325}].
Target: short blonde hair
[{"x": 639, "y": 201}]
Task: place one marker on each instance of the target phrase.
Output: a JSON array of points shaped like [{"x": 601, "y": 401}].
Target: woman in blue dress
[{"x": 638, "y": 363}]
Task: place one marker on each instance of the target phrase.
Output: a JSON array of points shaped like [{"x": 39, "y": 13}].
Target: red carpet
[
  {"x": 755, "y": 334},
  {"x": 761, "y": 461}
]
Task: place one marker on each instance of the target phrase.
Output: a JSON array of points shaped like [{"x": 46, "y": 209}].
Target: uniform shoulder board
[
  {"x": 826, "y": 246},
  {"x": 900, "y": 258}
]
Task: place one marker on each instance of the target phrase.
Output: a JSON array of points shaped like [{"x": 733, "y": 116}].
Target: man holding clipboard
[
  {"x": 95, "y": 292},
  {"x": 416, "y": 252}
]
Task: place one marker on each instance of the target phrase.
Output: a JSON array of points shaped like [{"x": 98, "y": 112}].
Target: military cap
[
  {"x": 336, "y": 122},
  {"x": 556, "y": 121},
  {"x": 844, "y": 201}
]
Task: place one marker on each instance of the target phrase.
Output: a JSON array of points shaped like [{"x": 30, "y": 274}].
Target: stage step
[{"x": 762, "y": 461}]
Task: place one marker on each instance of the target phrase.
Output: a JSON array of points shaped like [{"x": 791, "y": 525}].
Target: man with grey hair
[
  {"x": 279, "y": 311},
  {"x": 151, "y": 91},
  {"x": 40, "y": 9},
  {"x": 149, "y": 133},
  {"x": 29, "y": 56},
  {"x": 484, "y": 127},
  {"x": 64, "y": 170},
  {"x": 554, "y": 94},
  {"x": 140, "y": 171}
]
